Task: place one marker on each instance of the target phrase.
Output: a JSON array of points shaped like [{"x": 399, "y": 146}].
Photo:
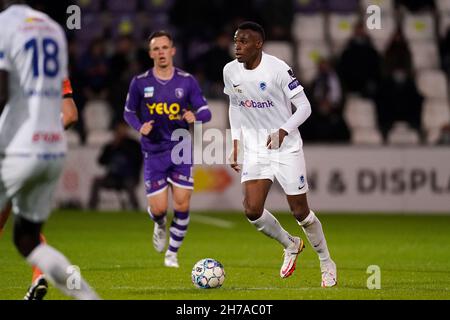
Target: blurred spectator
[
  {"x": 359, "y": 65},
  {"x": 326, "y": 123},
  {"x": 210, "y": 65},
  {"x": 123, "y": 161},
  {"x": 444, "y": 137},
  {"x": 398, "y": 99},
  {"x": 198, "y": 22},
  {"x": 122, "y": 66},
  {"x": 277, "y": 16},
  {"x": 445, "y": 53},
  {"x": 397, "y": 54},
  {"x": 94, "y": 69}
]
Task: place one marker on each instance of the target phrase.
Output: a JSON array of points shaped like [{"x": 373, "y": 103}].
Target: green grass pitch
[{"x": 115, "y": 254}]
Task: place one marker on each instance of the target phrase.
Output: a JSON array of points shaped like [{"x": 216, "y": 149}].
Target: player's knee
[
  {"x": 158, "y": 210},
  {"x": 182, "y": 206},
  {"x": 299, "y": 209},
  {"x": 253, "y": 210}
]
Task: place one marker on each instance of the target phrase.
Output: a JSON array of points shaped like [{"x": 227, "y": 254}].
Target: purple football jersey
[{"x": 163, "y": 101}]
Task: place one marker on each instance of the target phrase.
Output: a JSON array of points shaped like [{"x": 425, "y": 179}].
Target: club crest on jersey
[
  {"x": 2, "y": 54},
  {"x": 262, "y": 86},
  {"x": 148, "y": 92},
  {"x": 179, "y": 93}
]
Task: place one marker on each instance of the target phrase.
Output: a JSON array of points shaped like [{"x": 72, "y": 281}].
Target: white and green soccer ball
[{"x": 208, "y": 273}]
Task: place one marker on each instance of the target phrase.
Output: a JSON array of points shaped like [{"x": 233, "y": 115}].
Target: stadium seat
[
  {"x": 402, "y": 134},
  {"x": 432, "y": 83},
  {"x": 308, "y": 27},
  {"x": 121, "y": 6},
  {"x": 381, "y": 37},
  {"x": 280, "y": 49},
  {"x": 366, "y": 136},
  {"x": 435, "y": 114},
  {"x": 443, "y": 6},
  {"x": 386, "y": 6},
  {"x": 89, "y": 5},
  {"x": 359, "y": 112},
  {"x": 97, "y": 117},
  {"x": 157, "y": 6},
  {"x": 99, "y": 138},
  {"x": 91, "y": 28},
  {"x": 343, "y": 6},
  {"x": 309, "y": 6},
  {"x": 425, "y": 54},
  {"x": 219, "y": 110},
  {"x": 418, "y": 26},
  {"x": 126, "y": 24},
  {"x": 341, "y": 29},
  {"x": 73, "y": 138},
  {"x": 308, "y": 55}
]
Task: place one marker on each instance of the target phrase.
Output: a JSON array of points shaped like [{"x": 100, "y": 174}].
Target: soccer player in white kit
[
  {"x": 261, "y": 89},
  {"x": 33, "y": 64}
]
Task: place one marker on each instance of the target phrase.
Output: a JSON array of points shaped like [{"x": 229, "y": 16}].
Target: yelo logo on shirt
[{"x": 173, "y": 111}]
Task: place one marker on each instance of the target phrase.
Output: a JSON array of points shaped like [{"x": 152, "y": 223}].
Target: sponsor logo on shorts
[
  {"x": 154, "y": 184},
  {"x": 181, "y": 177},
  {"x": 302, "y": 182}
]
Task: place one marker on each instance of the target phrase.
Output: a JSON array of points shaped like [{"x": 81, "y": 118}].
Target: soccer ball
[{"x": 208, "y": 273}]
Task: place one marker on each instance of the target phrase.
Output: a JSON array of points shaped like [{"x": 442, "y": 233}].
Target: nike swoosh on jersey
[{"x": 236, "y": 85}]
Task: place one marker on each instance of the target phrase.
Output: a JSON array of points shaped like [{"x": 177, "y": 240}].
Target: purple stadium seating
[
  {"x": 309, "y": 6},
  {"x": 126, "y": 24},
  {"x": 343, "y": 6},
  {"x": 90, "y": 5},
  {"x": 155, "y": 6},
  {"x": 121, "y": 5},
  {"x": 90, "y": 28}
]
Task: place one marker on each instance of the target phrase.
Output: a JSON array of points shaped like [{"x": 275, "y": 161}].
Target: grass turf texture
[{"x": 115, "y": 254}]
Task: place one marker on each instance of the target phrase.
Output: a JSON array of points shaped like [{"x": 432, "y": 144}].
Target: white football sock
[
  {"x": 270, "y": 226},
  {"x": 313, "y": 230},
  {"x": 58, "y": 271}
]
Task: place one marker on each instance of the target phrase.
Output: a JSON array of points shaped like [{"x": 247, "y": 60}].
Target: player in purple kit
[{"x": 160, "y": 101}]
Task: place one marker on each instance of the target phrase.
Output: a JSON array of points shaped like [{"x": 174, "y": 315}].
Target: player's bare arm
[
  {"x": 69, "y": 108},
  {"x": 234, "y": 157},
  {"x": 3, "y": 89}
]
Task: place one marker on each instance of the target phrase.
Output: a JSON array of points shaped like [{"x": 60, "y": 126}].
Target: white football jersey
[
  {"x": 263, "y": 98},
  {"x": 33, "y": 50}
]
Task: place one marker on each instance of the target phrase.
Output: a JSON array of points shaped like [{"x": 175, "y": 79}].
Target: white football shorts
[
  {"x": 288, "y": 168},
  {"x": 29, "y": 182}
]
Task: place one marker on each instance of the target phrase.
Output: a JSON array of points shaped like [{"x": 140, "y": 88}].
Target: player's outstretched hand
[
  {"x": 188, "y": 116},
  {"x": 274, "y": 140},
  {"x": 147, "y": 127}
]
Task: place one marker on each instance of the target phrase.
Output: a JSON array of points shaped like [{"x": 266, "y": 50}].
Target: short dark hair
[
  {"x": 160, "y": 33},
  {"x": 250, "y": 25}
]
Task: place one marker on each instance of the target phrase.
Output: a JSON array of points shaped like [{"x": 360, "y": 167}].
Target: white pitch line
[{"x": 213, "y": 221}]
